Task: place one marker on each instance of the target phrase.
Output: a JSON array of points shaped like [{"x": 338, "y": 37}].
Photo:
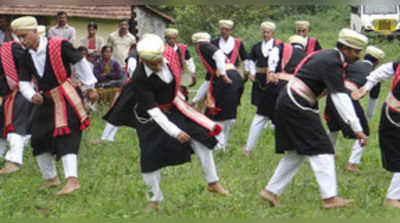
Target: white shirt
[
  {"x": 345, "y": 107},
  {"x": 226, "y": 46},
  {"x": 266, "y": 48},
  {"x": 189, "y": 63},
  {"x": 220, "y": 60},
  {"x": 383, "y": 72},
  {"x": 132, "y": 63},
  {"x": 156, "y": 114},
  {"x": 274, "y": 58},
  {"x": 82, "y": 68}
]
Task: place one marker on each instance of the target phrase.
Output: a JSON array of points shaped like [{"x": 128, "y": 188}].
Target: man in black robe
[
  {"x": 61, "y": 116},
  {"x": 355, "y": 77},
  {"x": 168, "y": 128},
  {"x": 299, "y": 132}
]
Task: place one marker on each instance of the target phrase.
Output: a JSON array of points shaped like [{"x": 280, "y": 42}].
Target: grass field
[{"x": 112, "y": 186}]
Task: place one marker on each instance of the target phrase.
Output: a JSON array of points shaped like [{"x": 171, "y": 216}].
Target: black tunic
[
  {"x": 42, "y": 139},
  {"x": 357, "y": 74},
  {"x": 22, "y": 109},
  {"x": 242, "y": 51},
  {"x": 261, "y": 61},
  {"x": 389, "y": 134},
  {"x": 302, "y": 130},
  {"x": 158, "y": 149},
  {"x": 227, "y": 96},
  {"x": 270, "y": 94}
]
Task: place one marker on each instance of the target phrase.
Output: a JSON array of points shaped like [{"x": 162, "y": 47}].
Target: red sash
[
  {"x": 11, "y": 74},
  {"x": 9, "y": 67},
  {"x": 182, "y": 50},
  {"x": 235, "y": 52},
  {"x": 311, "y": 45},
  {"x": 65, "y": 90},
  {"x": 396, "y": 77},
  {"x": 179, "y": 99},
  {"x": 287, "y": 52}
]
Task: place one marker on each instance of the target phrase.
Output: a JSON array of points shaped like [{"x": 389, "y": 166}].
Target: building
[{"x": 142, "y": 18}]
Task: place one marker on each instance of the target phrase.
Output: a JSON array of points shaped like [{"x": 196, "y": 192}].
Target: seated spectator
[
  {"x": 108, "y": 72},
  {"x": 84, "y": 51}
]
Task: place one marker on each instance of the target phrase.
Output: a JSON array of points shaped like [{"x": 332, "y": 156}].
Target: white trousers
[
  {"x": 109, "y": 132},
  {"x": 333, "y": 137},
  {"x": 3, "y": 147},
  {"x": 223, "y": 137},
  {"x": 206, "y": 158},
  {"x": 257, "y": 125},
  {"x": 323, "y": 167},
  {"x": 356, "y": 153},
  {"x": 372, "y": 103},
  {"x": 48, "y": 169},
  {"x": 16, "y": 143},
  {"x": 394, "y": 188}
]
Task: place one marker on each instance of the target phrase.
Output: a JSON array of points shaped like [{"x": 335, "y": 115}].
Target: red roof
[{"x": 100, "y": 12}]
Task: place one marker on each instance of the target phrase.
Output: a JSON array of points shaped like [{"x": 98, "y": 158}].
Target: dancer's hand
[
  {"x": 183, "y": 137},
  {"x": 37, "y": 98},
  {"x": 362, "y": 138}
]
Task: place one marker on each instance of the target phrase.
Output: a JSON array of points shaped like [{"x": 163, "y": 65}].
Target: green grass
[{"x": 112, "y": 185}]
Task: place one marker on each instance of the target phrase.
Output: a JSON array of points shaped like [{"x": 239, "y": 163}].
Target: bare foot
[
  {"x": 215, "y": 187},
  {"x": 336, "y": 202},
  {"x": 96, "y": 142},
  {"x": 54, "y": 182},
  {"x": 245, "y": 152},
  {"x": 153, "y": 205},
  {"x": 270, "y": 197},
  {"x": 71, "y": 185},
  {"x": 9, "y": 168},
  {"x": 392, "y": 203},
  {"x": 337, "y": 156},
  {"x": 352, "y": 168}
]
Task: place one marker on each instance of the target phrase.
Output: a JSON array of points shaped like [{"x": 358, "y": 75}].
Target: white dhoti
[
  {"x": 223, "y": 136},
  {"x": 333, "y": 137},
  {"x": 48, "y": 169},
  {"x": 323, "y": 167},
  {"x": 3, "y": 147},
  {"x": 205, "y": 155},
  {"x": 109, "y": 132},
  {"x": 356, "y": 153},
  {"x": 372, "y": 103},
  {"x": 394, "y": 188},
  {"x": 16, "y": 143},
  {"x": 257, "y": 125}
]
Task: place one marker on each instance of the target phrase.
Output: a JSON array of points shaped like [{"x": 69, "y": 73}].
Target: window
[{"x": 380, "y": 9}]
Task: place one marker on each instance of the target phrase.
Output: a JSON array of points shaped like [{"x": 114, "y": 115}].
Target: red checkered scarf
[
  {"x": 65, "y": 90},
  {"x": 7, "y": 60}
]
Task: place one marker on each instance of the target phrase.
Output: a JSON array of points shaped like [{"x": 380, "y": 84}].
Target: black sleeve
[
  {"x": 143, "y": 93},
  {"x": 253, "y": 53},
  {"x": 4, "y": 89},
  {"x": 374, "y": 93},
  {"x": 242, "y": 52},
  {"x": 25, "y": 67},
  {"x": 215, "y": 42},
  {"x": 187, "y": 54},
  {"x": 317, "y": 46},
  {"x": 332, "y": 76},
  {"x": 69, "y": 53}
]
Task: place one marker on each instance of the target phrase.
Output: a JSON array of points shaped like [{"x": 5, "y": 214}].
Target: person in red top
[
  {"x": 303, "y": 29},
  {"x": 92, "y": 42}
]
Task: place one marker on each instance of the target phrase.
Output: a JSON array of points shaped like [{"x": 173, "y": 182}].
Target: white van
[{"x": 376, "y": 19}]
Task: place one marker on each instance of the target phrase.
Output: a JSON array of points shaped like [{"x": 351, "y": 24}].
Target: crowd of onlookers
[{"x": 106, "y": 58}]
